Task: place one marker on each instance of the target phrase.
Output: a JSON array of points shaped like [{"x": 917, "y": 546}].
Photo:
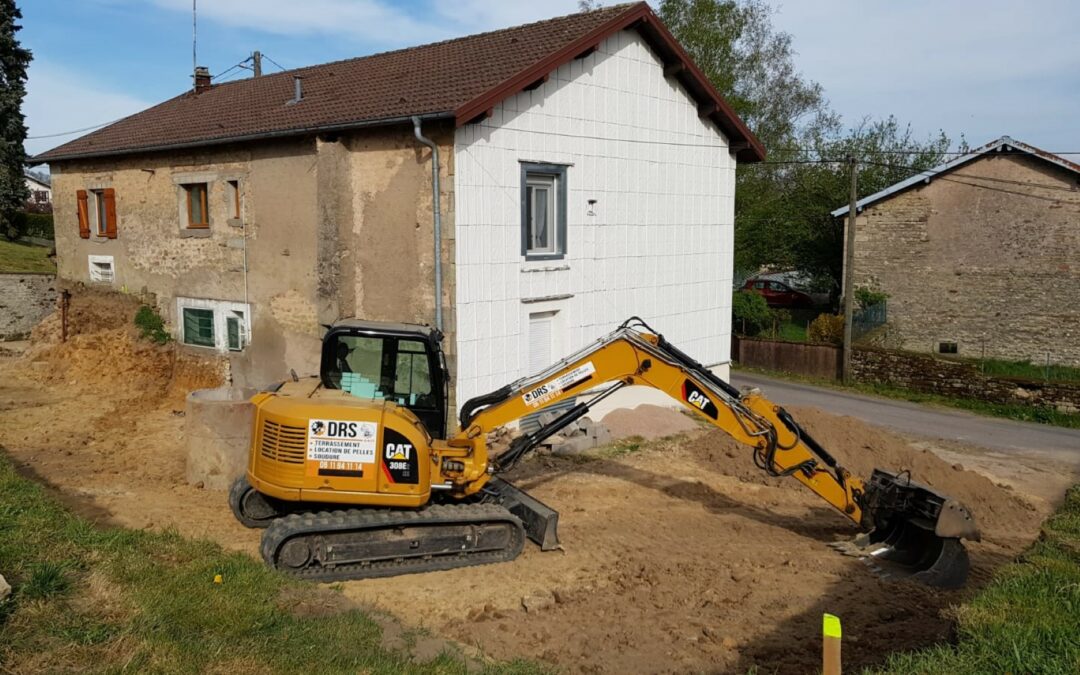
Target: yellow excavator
[{"x": 350, "y": 475}]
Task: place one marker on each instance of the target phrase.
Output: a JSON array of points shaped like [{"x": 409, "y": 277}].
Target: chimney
[
  {"x": 202, "y": 79},
  {"x": 298, "y": 91}
]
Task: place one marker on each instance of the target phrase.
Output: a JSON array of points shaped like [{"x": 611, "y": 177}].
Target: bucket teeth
[{"x": 945, "y": 564}]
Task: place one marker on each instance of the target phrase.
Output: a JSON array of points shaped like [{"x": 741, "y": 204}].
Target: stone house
[
  {"x": 980, "y": 256},
  {"x": 585, "y": 172}
]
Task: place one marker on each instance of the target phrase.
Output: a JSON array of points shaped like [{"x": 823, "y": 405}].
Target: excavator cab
[{"x": 398, "y": 362}]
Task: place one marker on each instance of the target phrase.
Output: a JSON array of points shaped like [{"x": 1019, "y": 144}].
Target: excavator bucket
[{"x": 915, "y": 533}]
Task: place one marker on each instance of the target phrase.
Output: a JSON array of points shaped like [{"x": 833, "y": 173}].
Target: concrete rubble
[{"x": 581, "y": 435}]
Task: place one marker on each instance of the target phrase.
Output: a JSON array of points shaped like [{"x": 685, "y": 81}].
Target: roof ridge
[{"x": 471, "y": 36}]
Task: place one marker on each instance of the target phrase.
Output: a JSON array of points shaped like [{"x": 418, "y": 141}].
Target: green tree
[
  {"x": 14, "y": 60},
  {"x": 782, "y": 207}
]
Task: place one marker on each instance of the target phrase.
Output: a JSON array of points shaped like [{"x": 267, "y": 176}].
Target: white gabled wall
[{"x": 659, "y": 244}]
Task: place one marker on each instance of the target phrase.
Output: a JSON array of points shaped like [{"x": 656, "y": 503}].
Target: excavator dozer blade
[
  {"x": 540, "y": 520},
  {"x": 915, "y": 533}
]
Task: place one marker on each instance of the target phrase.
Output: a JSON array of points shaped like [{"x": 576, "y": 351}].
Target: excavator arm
[{"x": 908, "y": 524}]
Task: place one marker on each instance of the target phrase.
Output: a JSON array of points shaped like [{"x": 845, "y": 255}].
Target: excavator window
[{"x": 386, "y": 367}]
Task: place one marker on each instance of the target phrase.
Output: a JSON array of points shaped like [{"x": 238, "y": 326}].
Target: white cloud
[
  {"x": 373, "y": 20},
  {"x": 58, "y": 100}
]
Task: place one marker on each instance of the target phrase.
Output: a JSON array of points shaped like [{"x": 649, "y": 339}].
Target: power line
[
  {"x": 74, "y": 131},
  {"x": 931, "y": 173},
  {"x": 283, "y": 68}
]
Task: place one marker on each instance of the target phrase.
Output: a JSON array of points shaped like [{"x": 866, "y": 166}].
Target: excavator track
[{"x": 370, "y": 543}]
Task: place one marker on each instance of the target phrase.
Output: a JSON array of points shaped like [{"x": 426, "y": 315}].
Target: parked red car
[{"x": 779, "y": 294}]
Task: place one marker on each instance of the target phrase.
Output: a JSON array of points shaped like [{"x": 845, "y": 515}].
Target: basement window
[
  {"x": 101, "y": 268},
  {"x": 947, "y": 348},
  {"x": 198, "y": 327},
  {"x": 543, "y": 211},
  {"x": 197, "y": 212},
  {"x": 216, "y": 324}
]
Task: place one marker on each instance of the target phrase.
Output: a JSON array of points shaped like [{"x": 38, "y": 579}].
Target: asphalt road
[{"x": 922, "y": 420}]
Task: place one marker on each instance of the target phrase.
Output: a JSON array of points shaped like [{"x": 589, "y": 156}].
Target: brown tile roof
[{"x": 460, "y": 78}]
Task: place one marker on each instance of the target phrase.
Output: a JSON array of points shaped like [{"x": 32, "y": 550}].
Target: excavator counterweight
[{"x": 347, "y": 478}]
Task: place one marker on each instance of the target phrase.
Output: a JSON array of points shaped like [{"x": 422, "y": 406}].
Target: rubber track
[{"x": 316, "y": 523}]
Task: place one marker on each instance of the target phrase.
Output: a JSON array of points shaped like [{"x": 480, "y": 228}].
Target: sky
[{"x": 981, "y": 69}]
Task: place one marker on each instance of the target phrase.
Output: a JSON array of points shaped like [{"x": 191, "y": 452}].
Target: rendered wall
[
  {"x": 658, "y": 243},
  {"x": 151, "y": 256}
]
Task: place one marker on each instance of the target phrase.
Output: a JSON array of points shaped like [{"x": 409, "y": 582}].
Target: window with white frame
[
  {"x": 543, "y": 211},
  {"x": 101, "y": 268},
  {"x": 216, "y": 324}
]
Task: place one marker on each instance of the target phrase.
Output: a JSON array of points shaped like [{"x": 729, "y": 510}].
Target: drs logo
[
  {"x": 399, "y": 461},
  {"x": 331, "y": 429},
  {"x": 698, "y": 399}
]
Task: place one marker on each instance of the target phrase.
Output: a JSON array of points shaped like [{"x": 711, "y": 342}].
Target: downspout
[{"x": 437, "y": 218}]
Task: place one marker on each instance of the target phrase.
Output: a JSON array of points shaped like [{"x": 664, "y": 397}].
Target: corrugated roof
[
  {"x": 460, "y": 79},
  {"x": 1003, "y": 144}
]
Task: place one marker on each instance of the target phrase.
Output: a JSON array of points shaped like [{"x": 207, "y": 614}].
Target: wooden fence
[{"x": 824, "y": 361}]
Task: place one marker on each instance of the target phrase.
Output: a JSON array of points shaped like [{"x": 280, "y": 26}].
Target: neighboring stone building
[
  {"x": 586, "y": 173},
  {"x": 979, "y": 256}
]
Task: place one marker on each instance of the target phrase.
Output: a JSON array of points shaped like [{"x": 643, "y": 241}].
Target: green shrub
[
  {"x": 151, "y": 326},
  {"x": 13, "y": 225},
  {"x": 827, "y": 328},
  {"x": 39, "y": 225},
  {"x": 868, "y": 297},
  {"x": 750, "y": 313}
]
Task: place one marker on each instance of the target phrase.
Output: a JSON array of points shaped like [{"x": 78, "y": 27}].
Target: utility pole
[
  {"x": 256, "y": 63},
  {"x": 849, "y": 268},
  {"x": 194, "y": 36}
]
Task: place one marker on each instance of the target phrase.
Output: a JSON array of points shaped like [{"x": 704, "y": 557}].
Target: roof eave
[{"x": 44, "y": 158}]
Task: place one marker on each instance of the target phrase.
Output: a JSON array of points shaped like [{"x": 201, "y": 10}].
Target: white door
[{"x": 541, "y": 333}]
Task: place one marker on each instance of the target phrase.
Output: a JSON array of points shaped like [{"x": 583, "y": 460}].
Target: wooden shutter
[
  {"x": 84, "y": 214},
  {"x": 109, "y": 195}
]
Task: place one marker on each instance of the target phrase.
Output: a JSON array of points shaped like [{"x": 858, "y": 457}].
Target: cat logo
[
  {"x": 699, "y": 400},
  {"x": 400, "y": 451}
]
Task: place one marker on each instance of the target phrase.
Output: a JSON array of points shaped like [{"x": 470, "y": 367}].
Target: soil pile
[
  {"x": 861, "y": 448},
  {"x": 100, "y": 418},
  {"x": 648, "y": 421}
]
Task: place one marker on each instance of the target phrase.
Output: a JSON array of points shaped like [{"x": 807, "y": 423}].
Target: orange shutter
[
  {"x": 84, "y": 214},
  {"x": 110, "y": 212}
]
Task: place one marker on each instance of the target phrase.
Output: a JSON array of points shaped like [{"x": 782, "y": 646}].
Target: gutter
[
  {"x": 285, "y": 133},
  {"x": 437, "y": 217}
]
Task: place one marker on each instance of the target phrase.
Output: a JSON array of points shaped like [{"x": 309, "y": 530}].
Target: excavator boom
[{"x": 909, "y": 528}]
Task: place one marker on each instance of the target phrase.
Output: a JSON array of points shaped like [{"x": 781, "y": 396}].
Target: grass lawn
[
  {"x": 20, "y": 257},
  {"x": 1023, "y": 413},
  {"x": 1027, "y": 620},
  {"x": 1029, "y": 371},
  {"x": 92, "y": 599}
]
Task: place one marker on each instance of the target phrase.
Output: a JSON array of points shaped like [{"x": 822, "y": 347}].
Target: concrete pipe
[{"x": 217, "y": 427}]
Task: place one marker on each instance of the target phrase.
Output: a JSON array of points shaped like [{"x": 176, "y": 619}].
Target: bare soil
[{"x": 678, "y": 557}]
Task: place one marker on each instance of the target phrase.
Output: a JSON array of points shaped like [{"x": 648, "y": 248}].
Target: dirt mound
[
  {"x": 104, "y": 352},
  {"x": 90, "y": 310},
  {"x": 648, "y": 421},
  {"x": 861, "y": 448}
]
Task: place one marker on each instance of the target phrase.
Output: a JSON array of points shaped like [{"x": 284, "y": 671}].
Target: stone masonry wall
[
  {"x": 25, "y": 299},
  {"x": 925, "y": 373},
  {"x": 987, "y": 256}
]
